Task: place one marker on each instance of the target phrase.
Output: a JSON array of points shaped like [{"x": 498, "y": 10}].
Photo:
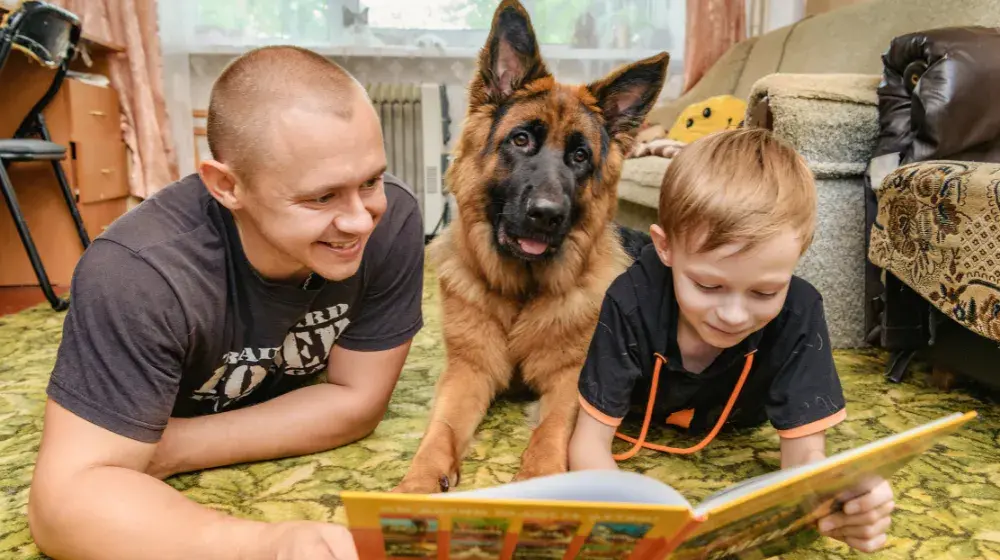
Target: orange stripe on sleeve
[
  {"x": 814, "y": 427},
  {"x": 598, "y": 415}
]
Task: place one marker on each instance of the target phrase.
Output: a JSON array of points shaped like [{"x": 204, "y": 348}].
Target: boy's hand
[
  {"x": 864, "y": 520},
  {"x": 313, "y": 540}
]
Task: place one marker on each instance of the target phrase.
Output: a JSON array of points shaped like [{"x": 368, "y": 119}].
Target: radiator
[{"x": 415, "y": 130}]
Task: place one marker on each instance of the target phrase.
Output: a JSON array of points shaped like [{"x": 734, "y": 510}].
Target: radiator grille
[
  {"x": 415, "y": 131},
  {"x": 399, "y": 107}
]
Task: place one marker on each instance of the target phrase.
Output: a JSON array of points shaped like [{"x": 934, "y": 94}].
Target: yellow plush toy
[{"x": 714, "y": 114}]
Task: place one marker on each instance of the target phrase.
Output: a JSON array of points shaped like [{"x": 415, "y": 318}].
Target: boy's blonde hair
[{"x": 742, "y": 186}]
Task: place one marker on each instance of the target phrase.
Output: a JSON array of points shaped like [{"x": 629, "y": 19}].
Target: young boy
[{"x": 715, "y": 301}]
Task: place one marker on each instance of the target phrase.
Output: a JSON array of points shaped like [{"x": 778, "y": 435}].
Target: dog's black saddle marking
[{"x": 633, "y": 240}]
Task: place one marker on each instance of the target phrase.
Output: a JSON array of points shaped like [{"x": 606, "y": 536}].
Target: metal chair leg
[
  {"x": 81, "y": 230},
  {"x": 56, "y": 302}
]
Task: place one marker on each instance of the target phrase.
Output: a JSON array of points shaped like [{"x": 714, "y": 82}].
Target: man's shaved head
[{"x": 252, "y": 88}]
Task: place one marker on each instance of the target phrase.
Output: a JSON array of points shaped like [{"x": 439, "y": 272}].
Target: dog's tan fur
[{"x": 503, "y": 317}]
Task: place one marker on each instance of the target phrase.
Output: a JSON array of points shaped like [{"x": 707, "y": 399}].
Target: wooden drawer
[
  {"x": 99, "y": 172},
  {"x": 94, "y": 110},
  {"x": 98, "y": 216},
  {"x": 99, "y": 164}
]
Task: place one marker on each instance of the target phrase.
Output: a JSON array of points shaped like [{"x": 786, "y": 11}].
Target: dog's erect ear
[
  {"x": 510, "y": 57},
  {"x": 627, "y": 94}
]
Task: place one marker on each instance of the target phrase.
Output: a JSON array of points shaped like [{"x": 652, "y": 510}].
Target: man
[{"x": 199, "y": 319}]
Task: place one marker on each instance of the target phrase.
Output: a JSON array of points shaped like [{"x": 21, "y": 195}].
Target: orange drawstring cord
[{"x": 641, "y": 442}]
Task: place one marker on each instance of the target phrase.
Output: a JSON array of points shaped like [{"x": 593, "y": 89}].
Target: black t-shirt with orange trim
[{"x": 793, "y": 381}]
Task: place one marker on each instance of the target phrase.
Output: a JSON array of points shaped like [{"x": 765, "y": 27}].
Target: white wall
[{"x": 783, "y": 12}]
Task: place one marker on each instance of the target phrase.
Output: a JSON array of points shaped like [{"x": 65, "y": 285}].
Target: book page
[
  {"x": 748, "y": 486},
  {"x": 586, "y": 486},
  {"x": 777, "y": 512}
]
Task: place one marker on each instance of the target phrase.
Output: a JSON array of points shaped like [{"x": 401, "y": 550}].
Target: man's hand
[
  {"x": 864, "y": 520},
  {"x": 313, "y": 541}
]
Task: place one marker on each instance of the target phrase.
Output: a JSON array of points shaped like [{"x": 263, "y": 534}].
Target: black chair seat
[{"x": 28, "y": 149}]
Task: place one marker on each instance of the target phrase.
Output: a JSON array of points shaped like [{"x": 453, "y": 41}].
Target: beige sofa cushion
[
  {"x": 852, "y": 39},
  {"x": 763, "y": 60},
  {"x": 720, "y": 79},
  {"x": 641, "y": 179}
]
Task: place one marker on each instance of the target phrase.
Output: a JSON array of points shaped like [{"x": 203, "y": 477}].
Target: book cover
[{"x": 623, "y": 515}]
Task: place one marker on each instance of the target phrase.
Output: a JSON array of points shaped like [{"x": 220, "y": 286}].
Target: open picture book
[{"x": 623, "y": 515}]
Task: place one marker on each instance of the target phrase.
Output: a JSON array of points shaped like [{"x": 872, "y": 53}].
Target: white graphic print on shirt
[{"x": 305, "y": 351}]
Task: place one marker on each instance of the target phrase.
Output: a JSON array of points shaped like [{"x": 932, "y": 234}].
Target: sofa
[
  {"x": 933, "y": 212},
  {"x": 814, "y": 83}
]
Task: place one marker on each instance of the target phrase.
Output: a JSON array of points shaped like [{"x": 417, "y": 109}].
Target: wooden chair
[{"x": 50, "y": 36}]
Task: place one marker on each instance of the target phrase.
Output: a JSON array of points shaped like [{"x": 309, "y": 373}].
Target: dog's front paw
[
  {"x": 426, "y": 483},
  {"x": 532, "y": 468}
]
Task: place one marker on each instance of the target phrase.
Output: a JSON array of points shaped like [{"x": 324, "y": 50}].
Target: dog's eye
[
  {"x": 521, "y": 139},
  {"x": 580, "y": 155}
]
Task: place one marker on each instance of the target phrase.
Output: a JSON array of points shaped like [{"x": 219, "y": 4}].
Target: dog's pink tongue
[{"x": 533, "y": 247}]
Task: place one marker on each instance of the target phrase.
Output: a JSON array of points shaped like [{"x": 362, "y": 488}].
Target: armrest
[
  {"x": 938, "y": 231},
  {"x": 937, "y": 96},
  {"x": 831, "y": 119}
]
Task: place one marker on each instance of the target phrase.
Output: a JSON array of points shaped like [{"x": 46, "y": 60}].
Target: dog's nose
[{"x": 545, "y": 214}]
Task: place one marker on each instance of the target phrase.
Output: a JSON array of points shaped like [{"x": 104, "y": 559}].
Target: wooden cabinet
[
  {"x": 97, "y": 216},
  {"x": 95, "y": 140},
  {"x": 86, "y": 119}
]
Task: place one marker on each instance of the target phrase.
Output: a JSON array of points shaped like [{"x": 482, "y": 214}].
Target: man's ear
[
  {"x": 510, "y": 57},
  {"x": 662, "y": 245},
  {"x": 222, "y": 183},
  {"x": 627, "y": 94}
]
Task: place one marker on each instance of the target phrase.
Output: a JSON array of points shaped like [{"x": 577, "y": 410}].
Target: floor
[
  {"x": 18, "y": 298},
  {"x": 947, "y": 500}
]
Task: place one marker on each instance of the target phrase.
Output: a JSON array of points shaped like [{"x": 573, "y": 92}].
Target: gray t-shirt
[{"x": 167, "y": 317}]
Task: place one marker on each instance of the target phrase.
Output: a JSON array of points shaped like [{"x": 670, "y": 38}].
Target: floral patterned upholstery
[{"x": 938, "y": 231}]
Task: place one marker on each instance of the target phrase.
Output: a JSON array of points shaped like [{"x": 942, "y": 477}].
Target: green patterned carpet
[{"x": 948, "y": 502}]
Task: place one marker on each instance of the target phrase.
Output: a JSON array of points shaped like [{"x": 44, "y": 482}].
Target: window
[{"x": 574, "y": 28}]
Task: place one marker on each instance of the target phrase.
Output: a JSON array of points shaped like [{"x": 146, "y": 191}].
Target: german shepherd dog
[{"x": 524, "y": 267}]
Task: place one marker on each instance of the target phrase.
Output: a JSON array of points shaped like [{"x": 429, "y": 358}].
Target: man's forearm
[
  {"x": 307, "y": 420},
  {"x": 113, "y": 512}
]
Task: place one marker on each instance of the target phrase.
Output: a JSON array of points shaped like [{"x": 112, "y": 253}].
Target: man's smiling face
[{"x": 318, "y": 199}]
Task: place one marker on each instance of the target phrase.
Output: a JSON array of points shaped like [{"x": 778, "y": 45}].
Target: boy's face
[{"x": 725, "y": 295}]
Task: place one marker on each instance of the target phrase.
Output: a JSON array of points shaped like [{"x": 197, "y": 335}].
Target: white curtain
[{"x": 404, "y": 41}]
